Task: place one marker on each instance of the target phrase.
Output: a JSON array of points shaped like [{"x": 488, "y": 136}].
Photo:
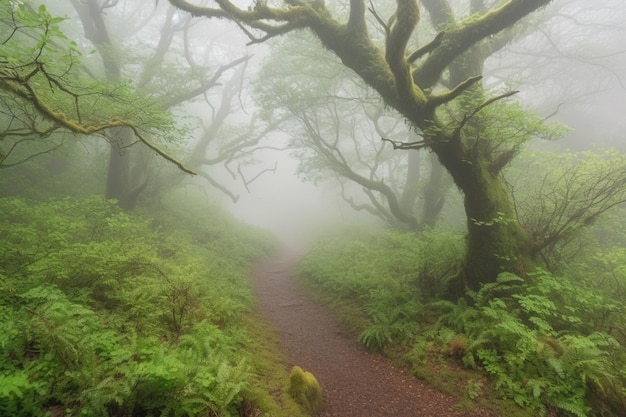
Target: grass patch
[
  {"x": 267, "y": 388},
  {"x": 349, "y": 316}
]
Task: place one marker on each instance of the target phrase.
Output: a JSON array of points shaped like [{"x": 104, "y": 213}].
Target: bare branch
[
  {"x": 219, "y": 186},
  {"x": 205, "y": 86},
  {"x": 426, "y": 49},
  {"x": 438, "y": 99},
  {"x": 257, "y": 176},
  {"x": 29, "y": 157},
  {"x": 492, "y": 100},
  {"x": 408, "y": 145},
  {"x": 375, "y": 209},
  {"x": 385, "y": 25}
]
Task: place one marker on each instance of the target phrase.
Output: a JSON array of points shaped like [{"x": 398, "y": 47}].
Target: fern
[
  {"x": 556, "y": 366},
  {"x": 85, "y": 305},
  {"x": 376, "y": 336},
  {"x": 505, "y": 284},
  {"x": 586, "y": 359},
  {"x": 577, "y": 408},
  {"x": 19, "y": 396}
]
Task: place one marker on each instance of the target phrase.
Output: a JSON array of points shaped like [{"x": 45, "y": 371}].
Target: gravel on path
[{"x": 355, "y": 383}]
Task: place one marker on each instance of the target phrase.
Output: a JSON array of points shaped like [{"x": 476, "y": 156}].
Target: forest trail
[{"x": 354, "y": 382}]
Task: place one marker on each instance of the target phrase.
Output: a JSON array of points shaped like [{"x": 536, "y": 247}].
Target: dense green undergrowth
[
  {"x": 108, "y": 313},
  {"x": 550, "y": 345}
]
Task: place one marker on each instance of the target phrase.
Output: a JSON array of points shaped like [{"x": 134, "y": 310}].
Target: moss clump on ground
[
  {"x": 265, "y": 392},
  {"x": 305, "y": 390}
]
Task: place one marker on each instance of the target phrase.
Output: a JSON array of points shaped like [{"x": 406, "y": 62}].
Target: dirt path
[{"x": 355, "y": 383}]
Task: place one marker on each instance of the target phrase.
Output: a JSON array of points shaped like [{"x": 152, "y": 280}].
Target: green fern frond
[
  {"x": 505, "y": 282},
  {"x": 576, "y": 408},
  {"x": 556, "y": 366},
  {"x": 375, "y": 337}
]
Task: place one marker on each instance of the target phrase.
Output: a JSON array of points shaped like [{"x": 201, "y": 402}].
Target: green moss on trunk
[{"x": 495, "y": 242}]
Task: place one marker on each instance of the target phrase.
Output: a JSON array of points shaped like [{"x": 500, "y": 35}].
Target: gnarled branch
[
  {"x": 20, "y": 87},
  {"x": 407, "y": 145},
  {"x": 438, "y": 99},
  {"x": 426, "y": 49}
]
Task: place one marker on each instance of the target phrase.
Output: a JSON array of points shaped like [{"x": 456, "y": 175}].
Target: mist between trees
[{"x": 482, "y": 140}]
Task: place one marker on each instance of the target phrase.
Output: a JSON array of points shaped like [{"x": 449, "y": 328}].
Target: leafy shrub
[
  {"x": 533, "y": 341},
  {"x": 388, "y": 275},
  {"x": 19, "y": 396},
  {"x": 108, "y": 313}
]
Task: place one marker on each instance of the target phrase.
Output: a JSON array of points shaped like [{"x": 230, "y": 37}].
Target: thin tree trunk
[
  {"x": 411, "y": 184},
  {"x": 434, "y": 194},
  {"x": 118, "y": 173}
]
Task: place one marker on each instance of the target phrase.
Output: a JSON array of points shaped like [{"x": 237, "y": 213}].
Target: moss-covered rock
[{"x": 305, "y": 390}]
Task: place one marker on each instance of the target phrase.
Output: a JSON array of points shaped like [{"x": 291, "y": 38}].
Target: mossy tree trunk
[{"x": 495, "y": 240}]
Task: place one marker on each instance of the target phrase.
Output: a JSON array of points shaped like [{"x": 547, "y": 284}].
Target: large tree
[{"x": 407, "y": 77}]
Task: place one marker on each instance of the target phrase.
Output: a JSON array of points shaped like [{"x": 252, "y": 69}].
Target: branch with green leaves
[
  {"x": 12, "y": 82},
  {"x": 40, "y": 72}
]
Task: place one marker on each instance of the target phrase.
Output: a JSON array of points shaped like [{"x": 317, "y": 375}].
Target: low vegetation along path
[{"x": 354, "y": 382}]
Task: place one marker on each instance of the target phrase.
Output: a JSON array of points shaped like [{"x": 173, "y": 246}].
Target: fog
[
  {"x": 294, "y": 211},
  {"x": 448, "y": 176},
  {"x": 567, "y": 62},
  {"x": 570, "y": 67}
]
